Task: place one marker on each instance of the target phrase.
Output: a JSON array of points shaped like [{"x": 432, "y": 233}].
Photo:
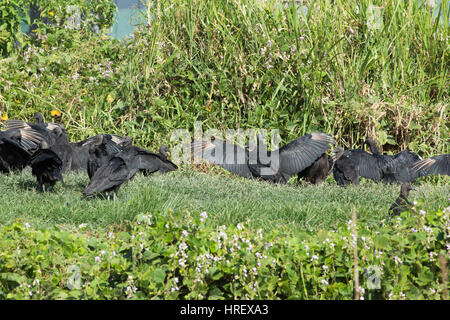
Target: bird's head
[
  {"x": 163, "y": 150},
  {"x": 406, "y": 188},
  {"x": 338, "y": 152},
  {"x": 38, "y": 117}
]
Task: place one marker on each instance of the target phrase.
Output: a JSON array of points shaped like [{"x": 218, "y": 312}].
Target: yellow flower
[
  {"x": 208, "y": 108},
  {"x": 109, "y": 98},
  {"x": 55, "y": 113},
  {"x": 51, "y": 13},
  {"x": 4, "y": 116}
]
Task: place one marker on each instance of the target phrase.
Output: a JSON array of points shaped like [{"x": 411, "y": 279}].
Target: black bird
[
  {"x": 81, "y": 149},
  {"x": 229, "y": 156},
  {"x": 46, "y": 166},
  {"x": 352, "y": 164},
  {"x": 256, "y": 162},
  {"x": 439, "y": 164},
  {"x": 163, "y": 150},
  {"x": 101, "y": 149},
  {"x": 16, "y": 148},
  {"x": 318, "y": 171},
  {"x": 123, "y": 167},
  {"x": 110, "y": 177},
  {"x": 397, "y": 167},
  {"x": 401, "y": 203}
]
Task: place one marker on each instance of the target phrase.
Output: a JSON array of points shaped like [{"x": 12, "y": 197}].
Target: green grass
[{"x": 227, "y": 200}]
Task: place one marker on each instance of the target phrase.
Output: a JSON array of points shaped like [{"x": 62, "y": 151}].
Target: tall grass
[{"x": 265, "y": 64}]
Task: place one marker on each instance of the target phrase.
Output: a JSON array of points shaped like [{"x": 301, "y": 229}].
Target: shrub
[
  {"x": 245, "y": 64},
  {"x": 174, "y": 256}
]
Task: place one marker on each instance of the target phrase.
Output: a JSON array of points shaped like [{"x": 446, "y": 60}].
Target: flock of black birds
[{"x": 110, "y": 160}]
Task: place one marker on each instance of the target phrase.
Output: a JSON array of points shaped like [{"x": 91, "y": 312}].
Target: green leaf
[{"x": 159, "y": 275}]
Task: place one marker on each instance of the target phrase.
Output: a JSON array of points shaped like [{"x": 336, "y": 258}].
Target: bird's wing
[
  {"x": 398, "y": 167},
  {"x": 368, "y": 166},
  {"x": 45, "y": 155},
  {"x": 114, "y": 173},
  {"x": 15, "y": 146},
  {"x": 439, "y": 164},
  {"x": 147, "y": 160},
  {"x": 229, "y": 156},
  {"x": 16, "y": 124},
  {"x": 302, "y": 152}
]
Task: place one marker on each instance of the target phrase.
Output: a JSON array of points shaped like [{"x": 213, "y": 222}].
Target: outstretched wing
[
  {"x": 149, "y": 161},
  {"x": 435, "y": 165},
  {"x": 398, "y": 167},
  {"x": 302, "y": 152},
  {"x": 229, "y": 156}
]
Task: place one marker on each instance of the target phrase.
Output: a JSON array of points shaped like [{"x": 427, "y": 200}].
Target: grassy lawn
[{"x": 226, "y": 198}]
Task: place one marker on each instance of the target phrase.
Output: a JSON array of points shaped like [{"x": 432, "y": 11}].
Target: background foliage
[{"x": 242, "y": 64}]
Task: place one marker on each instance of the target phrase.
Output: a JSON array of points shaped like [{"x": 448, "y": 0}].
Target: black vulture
[
  {"x": 16, "y": 148},
  {"x": 101, "y": 149},
  {"x": 352, "y": 164},
  {"x": 123, "y": 166},
  {"x": 81, "y": 149},
  {"x": 401, "y": 203},
  {"x": 355, "y": 163},
  {"x": 163, "y": 150},
  {"x": 46, "y": 166},
  {"x": 109, "y": 177},
  {"x": 229, "y": 156},
  {"x": 439, "y": 164},
  {"x": 318, "y": 171},
  {"x": 256, "y": 162},
  {"x": 397, "y": 167}
]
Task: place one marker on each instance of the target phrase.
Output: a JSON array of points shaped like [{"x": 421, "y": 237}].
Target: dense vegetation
[
  {"x": 173, "y": 256},
  {"x": 245, "y": 64}
]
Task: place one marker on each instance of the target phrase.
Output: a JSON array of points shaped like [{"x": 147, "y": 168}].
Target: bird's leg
[
  {"x": 43, "y": 187},
  {"x": 114, "y": 196},
  {"x": 107, "y": 196}
]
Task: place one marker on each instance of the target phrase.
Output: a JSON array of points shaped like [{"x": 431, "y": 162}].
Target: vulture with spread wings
[{"x": 254, "y": 161}]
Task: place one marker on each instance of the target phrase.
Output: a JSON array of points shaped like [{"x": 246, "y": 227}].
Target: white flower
[
  {"x": 27, "y": 225},
  {"x": 97, "y": 259},
  {"x": 203, "y": 215},
  {"x": 240, "y": 226},
  {"x": 324, "y": 282}
]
